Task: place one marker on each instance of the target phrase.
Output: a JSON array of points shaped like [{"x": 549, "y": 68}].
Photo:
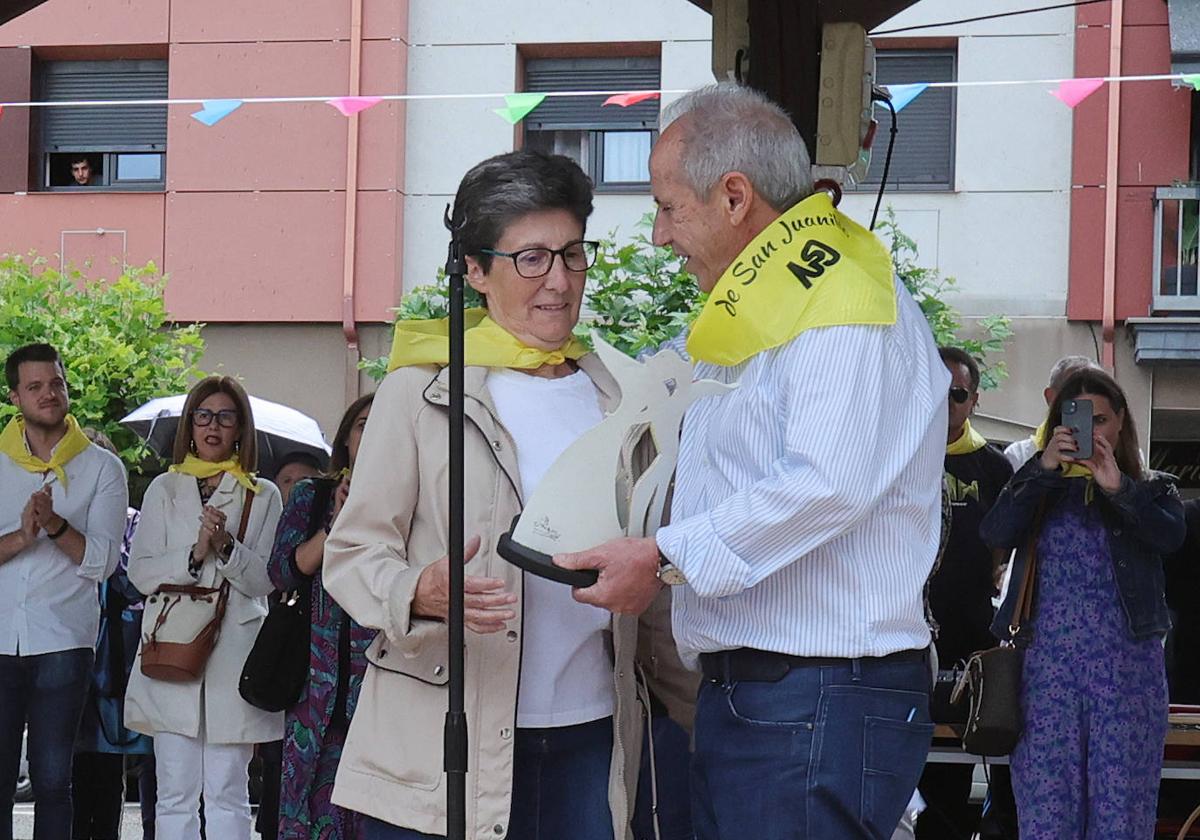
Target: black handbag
[
  {"x": 276, "y": 670},
  {"x": 992, "y": 679}
]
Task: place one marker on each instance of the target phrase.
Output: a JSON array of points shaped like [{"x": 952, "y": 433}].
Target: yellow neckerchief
[
  {"x": 811, "y": 267},
  {"x": 207, "y": 469},
  {"x": 1069, "y": 470},
  {"x": 487, "y": 345},
  {"x": 15, "y": 446},
  {"x": 969, "y": 441}
]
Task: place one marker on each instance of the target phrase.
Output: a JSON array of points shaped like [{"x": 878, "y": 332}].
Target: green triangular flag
[
  {"x": 1192, "y": 79},
  {"x": 519, "y": 106}
]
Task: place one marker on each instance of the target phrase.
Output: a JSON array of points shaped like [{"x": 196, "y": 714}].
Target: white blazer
[{"x": 162, "y": 543}]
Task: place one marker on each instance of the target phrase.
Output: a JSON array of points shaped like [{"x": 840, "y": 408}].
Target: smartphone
[{"x": 1077, "y": 416}]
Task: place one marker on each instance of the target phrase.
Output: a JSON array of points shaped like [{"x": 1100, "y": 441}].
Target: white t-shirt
[{"x": 566, "y": 668}]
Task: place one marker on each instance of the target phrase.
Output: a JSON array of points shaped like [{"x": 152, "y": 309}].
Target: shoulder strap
[
  {"x": 1024, "y": 606},
  {"x": 241, "y": 534}
]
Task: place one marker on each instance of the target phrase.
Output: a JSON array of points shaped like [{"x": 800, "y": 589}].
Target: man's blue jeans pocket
[{"x": 869, "y": 749}]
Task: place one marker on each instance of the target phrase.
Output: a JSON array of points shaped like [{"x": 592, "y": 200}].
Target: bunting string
[
  {"x": 1189, "y": 79},
  {"x": 1071, "y": 91}
]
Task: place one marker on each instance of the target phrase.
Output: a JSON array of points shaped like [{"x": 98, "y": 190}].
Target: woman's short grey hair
[
  {"x": 495, "y": 193},
  {"x": 737, "y": 129}
]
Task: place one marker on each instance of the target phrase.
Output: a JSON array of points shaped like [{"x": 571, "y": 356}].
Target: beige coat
[
  {"x": 393, "y": 525},
  {"x": 161, "y": 545}
]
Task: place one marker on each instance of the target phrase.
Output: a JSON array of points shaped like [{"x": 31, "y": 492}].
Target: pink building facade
[{"x": 250, "y": 219}]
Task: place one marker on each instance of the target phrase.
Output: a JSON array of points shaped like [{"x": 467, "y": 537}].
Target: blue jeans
[
  {"x": 831, "y": 751},
  {"x": 560, "y": 787},
  {"x": 46, "y": 691}
]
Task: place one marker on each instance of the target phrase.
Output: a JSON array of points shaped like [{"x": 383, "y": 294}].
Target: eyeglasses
[
  {"x": 532, "y": 263},
  {"x": 959, "y": 394},
  {"x": 226, "y": 418}
]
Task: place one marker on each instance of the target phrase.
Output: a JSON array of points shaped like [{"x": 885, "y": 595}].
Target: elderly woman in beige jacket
[
  {"x": 204, "y": 733},
  {"x": 554, "y": 735}
]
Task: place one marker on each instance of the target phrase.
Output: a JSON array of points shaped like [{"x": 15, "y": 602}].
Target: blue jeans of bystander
[{"x": 45, "y": 692}]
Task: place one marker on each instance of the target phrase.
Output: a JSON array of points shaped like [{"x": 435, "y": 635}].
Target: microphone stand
[{"x": 455, "y": 731}]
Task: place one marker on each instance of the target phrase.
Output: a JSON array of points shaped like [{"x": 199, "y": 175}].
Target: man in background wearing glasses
[
  {"x": 960, "y": 593},
  {"x": 62, "y": 518}
]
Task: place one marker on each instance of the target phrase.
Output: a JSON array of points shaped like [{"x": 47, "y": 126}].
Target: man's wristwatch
[
  {"x": 668, "y": 572},
  {"x": 62, "y": 529},
  {"x": 226, "y": 551}
]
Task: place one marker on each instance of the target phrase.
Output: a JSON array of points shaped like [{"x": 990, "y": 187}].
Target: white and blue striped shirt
[{"x": 807, "y": 502}]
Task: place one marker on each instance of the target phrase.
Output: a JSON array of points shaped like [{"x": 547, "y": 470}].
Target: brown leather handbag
[{"x": 185, "y": 622}]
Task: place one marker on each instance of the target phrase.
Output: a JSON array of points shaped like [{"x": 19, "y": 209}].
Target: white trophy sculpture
[{"x": 597, "y": 490}]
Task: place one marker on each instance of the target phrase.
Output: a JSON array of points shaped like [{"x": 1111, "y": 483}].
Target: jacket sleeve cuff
[
  {"x": 712, "y": 569},
  {"x": 408, "y": 632}
]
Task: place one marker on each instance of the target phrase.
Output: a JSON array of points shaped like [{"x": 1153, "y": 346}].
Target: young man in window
[
  {"x": 63, "y": 502},
  {"x": 81, "y": 171}
]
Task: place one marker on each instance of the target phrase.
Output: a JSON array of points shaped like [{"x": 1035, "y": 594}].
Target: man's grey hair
[
  {"x": 736, "y": 129},
  {"x": 1066, "y": 366}
]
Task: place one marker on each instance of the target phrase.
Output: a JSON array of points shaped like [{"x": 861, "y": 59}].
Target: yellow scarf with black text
[{"x": 812, "y": 267}]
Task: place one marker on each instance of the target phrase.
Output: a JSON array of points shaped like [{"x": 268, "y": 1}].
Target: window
[
  {"x": 114, "y": 148},
  {"x": 924, "y": 155},
  {"x": 611, "y": 144}
]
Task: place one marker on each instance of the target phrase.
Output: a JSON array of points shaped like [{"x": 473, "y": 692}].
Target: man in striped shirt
[{"x": 805, "y": 519}]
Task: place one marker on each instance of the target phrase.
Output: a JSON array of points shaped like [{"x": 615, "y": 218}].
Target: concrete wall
[{"x": 300, "y": 365}]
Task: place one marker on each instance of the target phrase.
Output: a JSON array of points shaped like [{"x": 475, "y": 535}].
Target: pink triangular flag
[
  {"x": 632, "y": 98},
  {"x": 350, "y": 105},
  {"x": 1073, "y": 91}
]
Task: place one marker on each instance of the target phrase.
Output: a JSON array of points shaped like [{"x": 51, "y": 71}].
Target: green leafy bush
[
  {"x": 117, "y": 341},
  {"x": 929, "y": 288}
]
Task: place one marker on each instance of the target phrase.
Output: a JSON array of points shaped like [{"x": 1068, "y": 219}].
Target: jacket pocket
[
  {"x": 396, "y": 734},
  {"x": 427, "y": 664}
]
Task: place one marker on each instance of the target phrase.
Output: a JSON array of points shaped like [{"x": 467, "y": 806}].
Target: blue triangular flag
[
  {"x": 216, "y": 110},
  {"x": 902, "y": 95}
]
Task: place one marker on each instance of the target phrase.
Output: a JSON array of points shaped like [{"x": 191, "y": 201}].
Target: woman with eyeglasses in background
[{"x": 204, "y": 733}]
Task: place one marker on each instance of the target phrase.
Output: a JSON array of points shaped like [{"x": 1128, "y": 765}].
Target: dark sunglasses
[
  {"x": 959, "y": 394},
  {"x": 226, "y": 418}
]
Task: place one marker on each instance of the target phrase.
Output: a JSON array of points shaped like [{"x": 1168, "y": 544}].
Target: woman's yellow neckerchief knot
[
  {"x": 206, "y": 469},
  {"x": 487, "y": 345}
]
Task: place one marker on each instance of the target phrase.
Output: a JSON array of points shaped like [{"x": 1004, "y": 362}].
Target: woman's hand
[
  {"x": 212, "y": 532},
  {"x": 486, "y": 602},
  {"x": 1059, "y": 449},
  {"x": 1103, "y": 465}
]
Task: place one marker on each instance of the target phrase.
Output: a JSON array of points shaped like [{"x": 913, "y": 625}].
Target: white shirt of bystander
[{"x": 47, "y": 603}]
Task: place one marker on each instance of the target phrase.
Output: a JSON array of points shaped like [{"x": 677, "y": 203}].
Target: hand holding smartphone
[{"x": 1077, "y": 416}]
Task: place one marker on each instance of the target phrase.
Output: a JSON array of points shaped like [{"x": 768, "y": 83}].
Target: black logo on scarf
[{"x": 817, "y": 257}]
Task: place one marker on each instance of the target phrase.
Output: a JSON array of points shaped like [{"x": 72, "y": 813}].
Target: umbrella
[{"x": 282, "y": 430}]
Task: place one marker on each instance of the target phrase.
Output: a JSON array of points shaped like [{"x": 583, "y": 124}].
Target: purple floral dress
[
  {"x": 1094, "y": 699},
  {"x": 315, "y": 728}
]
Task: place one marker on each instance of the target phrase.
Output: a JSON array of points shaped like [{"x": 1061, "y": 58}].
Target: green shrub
[{"x": 116, "y": 339}]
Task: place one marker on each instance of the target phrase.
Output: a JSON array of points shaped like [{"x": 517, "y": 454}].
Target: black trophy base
[{"x": 537, "y": 563}]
